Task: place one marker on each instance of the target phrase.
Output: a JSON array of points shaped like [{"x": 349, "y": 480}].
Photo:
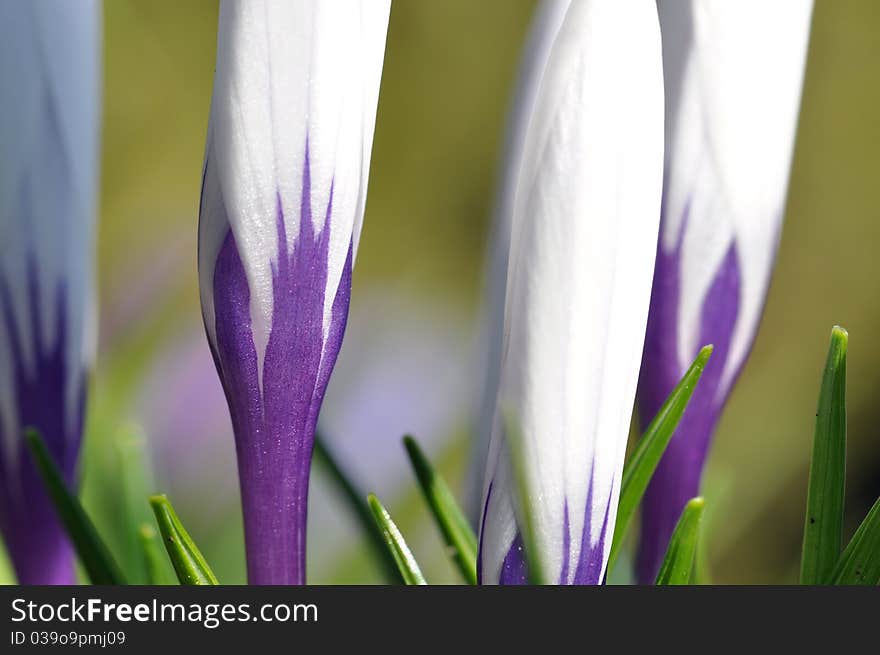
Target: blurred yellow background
[{"x": 449, "y": 70}]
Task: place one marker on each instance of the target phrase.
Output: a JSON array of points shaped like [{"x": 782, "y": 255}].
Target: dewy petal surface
[
  {"x": 283, "y": 195},
  {"x": 49, "y": 124},
  {"x": 733, "y": 74},
  {"x": 584, "y": 237}
]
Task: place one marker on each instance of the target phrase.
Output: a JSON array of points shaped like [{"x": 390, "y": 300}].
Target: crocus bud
[
  {"x": 733, "y": 75},
  {"x": 542, "y": 34},
  {"x": 584, "y": 236},
  {"x": 283, "y": 195},
  {"x": 49, "y": 122}
]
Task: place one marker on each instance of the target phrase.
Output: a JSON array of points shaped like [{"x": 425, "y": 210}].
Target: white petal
[
  {"x": 49, "y": 149},
  {"x": 584, "y": 237},
  {"x": 542, "y": 35},
  {"x": 734, "y": 72},
  {"x": 288, "y": 74}
]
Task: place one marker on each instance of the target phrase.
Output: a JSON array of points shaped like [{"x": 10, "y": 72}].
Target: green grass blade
[
  {"x": 360, "y": 510},
  {"x": 129, "y": 448},
  {"x": 823, "y": 522},
  {"x": 186, "y": 558},
  {"x": 406, "y": 563},
  {"x": 644, "y": 460},
  {"x": 155, "y": 562},
  {"x": 91, "y": 549},
  {"x": 860, "y": 562},
  {"x": 678, "y": 563},
  {"x": 702, "y": 573},
  {"x": 450, "y": 518}
]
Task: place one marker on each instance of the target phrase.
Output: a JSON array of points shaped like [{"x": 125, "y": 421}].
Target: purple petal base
[
  {"x": 678, "y": 475},
  {"x": 514, "y": 570},
  {"x": 35, "y": 540},
  {"x": 275, "y": 426},
  {"x": 591, "y": 561}
]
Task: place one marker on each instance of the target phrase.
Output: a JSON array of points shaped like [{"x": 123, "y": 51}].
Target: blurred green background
[{"x": 157, "y": 419}]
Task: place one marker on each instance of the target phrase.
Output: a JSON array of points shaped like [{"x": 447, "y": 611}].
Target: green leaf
[
  {"x": 531, "y": 550},
  {"x": 186, "y": 558},
  {"x": 403, "y": 557},
  {"x": 91, "y": 549},
  {"x": 702, "y": 573},
  {"x": 131, "y": 467},
  {"x": 641, "y": 465},
  {"x": 860, "y": 562},
  {"x": 457, "y": 532},
  {"x": 678, "y": 563},
  {"x": 823, "y": 523},
  {"x": 359, "y": 509},
  {"x": 154, "y": 561}
]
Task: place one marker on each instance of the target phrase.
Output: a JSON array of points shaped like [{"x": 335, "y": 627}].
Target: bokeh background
[{"x": 157, "y": 416}]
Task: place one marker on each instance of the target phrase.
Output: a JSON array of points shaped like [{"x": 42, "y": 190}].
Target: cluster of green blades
[{"x": 824, "y": 559}]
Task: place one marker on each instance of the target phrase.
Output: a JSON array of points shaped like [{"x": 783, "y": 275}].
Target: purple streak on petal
[
  {"x": 275, "y": 428},
  {"x": 566, "y": 545},
  {"x": 35, "y": 540},
  {"x": 677, "y": 478},
  {"x": 591, "y": 561},
  {"x": 592, "y": 557},
  {"x": 514, "y": 570}
]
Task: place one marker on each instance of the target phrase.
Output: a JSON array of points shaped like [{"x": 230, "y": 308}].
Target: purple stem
[
  {"x": 678, "y": 475},
  {"x": 275, "y": 425}
]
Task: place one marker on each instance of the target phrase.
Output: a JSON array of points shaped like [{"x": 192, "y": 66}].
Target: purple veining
[
  {"x": 514, "y": 570},
  {"x": 591, "y": 560},
  {"x": 275, "y": 426},
  {"x": 566, "y": 541},
  {"x": 678, "y": 475},
  {"x": 35, "y": 540}
]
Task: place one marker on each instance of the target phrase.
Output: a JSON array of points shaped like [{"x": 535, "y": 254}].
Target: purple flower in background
[
  {"x": 586, "y": 215},
  {"x": 283, "y": 195},
  {"x": 192, "y": 454},
  {"x": 733, "y": 73},
  {"x": 49, "y": 118}
]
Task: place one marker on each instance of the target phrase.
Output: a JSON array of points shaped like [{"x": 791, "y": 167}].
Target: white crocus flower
[
  {"x": 542, "y": 35},
  {"x": 50, "y": 63},
  {"x": 284, "y": 189},
  {"x": 584, "y": 236},
  {"x": 734, "y": 72}
]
